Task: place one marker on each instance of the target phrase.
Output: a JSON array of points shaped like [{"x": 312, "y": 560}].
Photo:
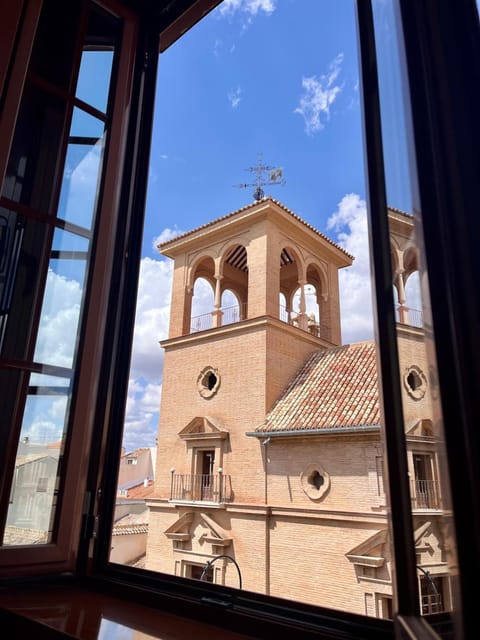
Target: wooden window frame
[{"x": 446, "y": 135}]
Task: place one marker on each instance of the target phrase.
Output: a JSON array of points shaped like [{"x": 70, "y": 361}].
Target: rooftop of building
[
  {"x": 251, "y": 206},
  {"x": 335, "y": 390}
]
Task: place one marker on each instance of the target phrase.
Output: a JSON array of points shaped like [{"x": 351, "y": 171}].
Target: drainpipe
[{"x": 267, "y": 520}]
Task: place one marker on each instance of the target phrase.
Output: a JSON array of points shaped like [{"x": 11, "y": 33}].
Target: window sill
[
  {"x": 100, "y": 608},
  {"x": 69, "y": 610}
]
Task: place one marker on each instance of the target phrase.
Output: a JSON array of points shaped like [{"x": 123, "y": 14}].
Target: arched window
[
  {"x": 231, "y": 308},
  {"x": 202, "y": 305}
]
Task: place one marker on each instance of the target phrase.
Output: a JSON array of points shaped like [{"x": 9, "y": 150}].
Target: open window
[{"x": 74, "y": 165}]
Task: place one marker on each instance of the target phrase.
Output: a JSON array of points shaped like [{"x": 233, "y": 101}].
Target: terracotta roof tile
[
  {"x": 142, "y": 491},
  {"x": 131, "y": 523},
  {"x": 335, "y": 388}
]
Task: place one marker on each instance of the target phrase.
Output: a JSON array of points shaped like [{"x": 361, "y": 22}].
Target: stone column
[
  {"x": 302, "y": 316},
  {"x": 402, "y": 309},
  {"x": 217, "y": 312}
]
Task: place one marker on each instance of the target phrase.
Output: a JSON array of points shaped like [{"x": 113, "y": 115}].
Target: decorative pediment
[
  {"x": 180, "y": 530},
  {"x": 371, "y": 552},
  {"x": 199, "y": 526},
  {"x": 427, "y": 539},
  {"x": 421, "y": 429},
  {"x": 429, "y": 543},
  {"x": 203, "y": 428}
]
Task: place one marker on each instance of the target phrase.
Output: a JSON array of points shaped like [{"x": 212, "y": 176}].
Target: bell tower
[
  {"x": 232, "y": 363},
  {"x": 225, "y": 368}
]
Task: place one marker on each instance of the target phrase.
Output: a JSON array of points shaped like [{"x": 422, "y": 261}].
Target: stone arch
[
  {"x": 411, "y": 284},
  {"x": 233, "y": 274},
  {"x": 316, "y": 303},
  {"x": 292, "y": 270},
  {"x": 410, "y": 261},
  {"x": 203, "y": 266},
  {"x": 202, "y": 289},
  {"x": 231, "y": 306},
  {"x": 397, "y": 268}
]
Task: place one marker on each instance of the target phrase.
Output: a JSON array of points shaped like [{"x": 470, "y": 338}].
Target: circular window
[
  {"x": 315, "y": 481},
  {"x": 415, "y": 382},
  {"x": 208, "y": 382}
]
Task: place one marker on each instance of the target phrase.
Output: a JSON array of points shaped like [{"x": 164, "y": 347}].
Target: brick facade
[{"x": 305, "y": 517}]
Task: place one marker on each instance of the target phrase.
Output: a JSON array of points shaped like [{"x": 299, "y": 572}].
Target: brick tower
[{"x": 224, "y": 370}]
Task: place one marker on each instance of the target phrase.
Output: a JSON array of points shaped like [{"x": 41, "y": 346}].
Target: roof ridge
[{"x": 246, "y": 207}]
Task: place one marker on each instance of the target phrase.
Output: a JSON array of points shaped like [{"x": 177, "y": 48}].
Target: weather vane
[{"x": 274, "y": 175}]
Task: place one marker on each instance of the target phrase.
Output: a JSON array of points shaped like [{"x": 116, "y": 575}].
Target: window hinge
[{"x": 90, "y": 521}]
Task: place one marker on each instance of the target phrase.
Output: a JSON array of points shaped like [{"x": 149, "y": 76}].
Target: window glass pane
[
  {"x": 34, "y": 489},
  {"x": 11, "y": 229},
  {"x": 432, "y": 526},
  {"x": 255, "y": 426},
  {"x": 93, "y": 84},
  {"x": 82, "y": 169},
  {"x": 60, "y": 316},
  {"x": 34, "y": 158},
  {"x": 94, "y": 78},
  {"x": 24, "y": 242},
  {"x": 43, "y": 263}
]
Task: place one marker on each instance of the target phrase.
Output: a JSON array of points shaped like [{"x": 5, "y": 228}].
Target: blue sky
[
  {"x": 233, "y": 88},
  {"x": 253, "y": 77}
]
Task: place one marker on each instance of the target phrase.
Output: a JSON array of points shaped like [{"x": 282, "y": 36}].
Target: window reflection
[
  {"x": 33, "y": 493},
  {"x": 49, "y": 204},
  {"x": 60, "y": 315},
  {"x": 82, "y": 169},
  {"x": 94, "y": 78},
  {"x": 423, "y": 422}
]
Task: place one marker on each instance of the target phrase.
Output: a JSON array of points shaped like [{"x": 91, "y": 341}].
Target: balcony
[
  {"x": 425, "y": 494},
  {"x": 409, "y": 316},
  {"x": 237, "y": 313},
  {"x": 201, "y": 488},
  {"x": 228, "y": 315}
]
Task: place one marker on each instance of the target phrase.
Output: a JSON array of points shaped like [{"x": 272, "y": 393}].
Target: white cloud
[
  {"x": 165, "y": 236},
  {"x": 350, "y": 222},
  {"x": 151, "y": 326},
  {"x": 142, "y": 412},
  {"x": 57, "y": 333},
  {"x": 80, "y": 184},
  {"x": 234, "y": 97},
  {"x": 151, "y": 319},
  {"x": 251, "y": 7},
  {"x": 319, "y": 95}
]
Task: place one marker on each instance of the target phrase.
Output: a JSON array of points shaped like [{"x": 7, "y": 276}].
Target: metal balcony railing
[
  {"x": 425, "y": 494},
  {"x": 407, "y": 315},
  {"x": 201, "y": 488},
  {"x": 201, "y": 323},
  {"x": 230, "y": 315}
]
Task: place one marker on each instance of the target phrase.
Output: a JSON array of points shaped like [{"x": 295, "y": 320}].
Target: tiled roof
[
  {"x": 336, "y": 388},
  {"x": 23, "y": 535},
  {"x": 142, "y": 491},
  {"x": 32, "y": 457},
  {"x": 404, "y": 213},
  {"x": 135, "y": 452},
  {"x": 250, "y": 206},
  {"x": 131, "y": 523}
]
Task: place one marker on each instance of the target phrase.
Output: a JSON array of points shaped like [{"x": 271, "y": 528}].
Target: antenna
[{"x": 274, "y": 176}]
